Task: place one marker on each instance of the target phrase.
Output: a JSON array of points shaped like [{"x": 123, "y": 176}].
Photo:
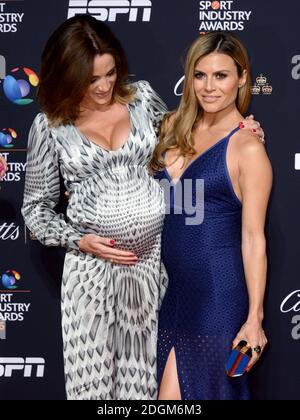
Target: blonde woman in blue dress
[{"x": 217, "y": 267}]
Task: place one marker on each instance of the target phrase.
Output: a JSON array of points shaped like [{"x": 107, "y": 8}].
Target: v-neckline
[
  {"x": 198, "y": 157},
  {"x": 82, "y": 135}
]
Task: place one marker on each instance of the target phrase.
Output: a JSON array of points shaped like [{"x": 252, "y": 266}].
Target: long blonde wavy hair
[{"x": 178, "y": 134}]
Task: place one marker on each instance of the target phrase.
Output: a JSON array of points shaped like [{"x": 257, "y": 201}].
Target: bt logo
[
  {"x": 17, "y": 85},
  {"x": 9, "y": 279},
  {"x": 7, "y": 135}
]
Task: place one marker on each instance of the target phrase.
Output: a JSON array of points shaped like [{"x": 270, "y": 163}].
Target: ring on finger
[{"x": 257, "y": 350}]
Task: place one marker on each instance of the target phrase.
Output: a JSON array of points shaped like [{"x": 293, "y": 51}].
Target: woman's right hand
[{"x": 104, "y": 248}]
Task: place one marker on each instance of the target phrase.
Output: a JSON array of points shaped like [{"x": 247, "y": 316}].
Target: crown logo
[
  {"x": 261, "y": 85},
  {"x": 261, "y": 80},
  {"x": 255, "y": 90},
  {"x": 267, "y": 90}
]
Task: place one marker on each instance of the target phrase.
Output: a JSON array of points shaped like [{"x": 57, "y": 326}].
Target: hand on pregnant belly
[{"x": 104, "y": 248}]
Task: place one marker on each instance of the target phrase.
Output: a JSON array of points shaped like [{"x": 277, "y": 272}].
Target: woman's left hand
[
  {"x": 249, "y": 123},
  {"x": 253, "y": 333}
]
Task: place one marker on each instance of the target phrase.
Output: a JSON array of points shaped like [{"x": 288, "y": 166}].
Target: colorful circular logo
[
  {"x": 10, "y": 278},
  {"x": 7, "y": 135},
  {"x": 17, "y": 85}
]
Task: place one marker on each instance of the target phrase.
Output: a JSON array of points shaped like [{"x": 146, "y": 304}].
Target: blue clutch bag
[{"x": 238, "y": 359}]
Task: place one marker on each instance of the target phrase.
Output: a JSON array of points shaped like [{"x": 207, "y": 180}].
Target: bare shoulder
[
  {"x": 248, "y": 144},
  {"x": 252, "y": 157}
]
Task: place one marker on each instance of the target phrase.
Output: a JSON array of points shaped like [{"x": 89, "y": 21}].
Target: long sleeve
[
  {"x": 155, "y": 106},
  {"x": 42, "y": 190}
]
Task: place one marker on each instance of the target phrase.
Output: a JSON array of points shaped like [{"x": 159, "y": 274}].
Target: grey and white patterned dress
[{"x": 109, "y": 311}]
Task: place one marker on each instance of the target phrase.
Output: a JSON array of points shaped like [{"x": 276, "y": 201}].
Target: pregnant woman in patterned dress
[
  {"x": 217, "y": 268},
  {"x": 112, "y": 279}
]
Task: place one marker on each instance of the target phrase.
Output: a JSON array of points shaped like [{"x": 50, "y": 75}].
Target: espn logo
[
  {"x": 8, "y": 365},
  {"x": 109, "y": 10}
]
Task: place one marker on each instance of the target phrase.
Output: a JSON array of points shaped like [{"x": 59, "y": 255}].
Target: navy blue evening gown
[{"x": 206, "y": 302}]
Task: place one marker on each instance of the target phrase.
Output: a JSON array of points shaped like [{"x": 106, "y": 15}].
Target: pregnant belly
[{"x": 125, "y": 208}]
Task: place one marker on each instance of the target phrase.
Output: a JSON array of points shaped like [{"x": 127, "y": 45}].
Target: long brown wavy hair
[
  {"x": 178, "y": 134},
  {"x": 67, "y": 67}
]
